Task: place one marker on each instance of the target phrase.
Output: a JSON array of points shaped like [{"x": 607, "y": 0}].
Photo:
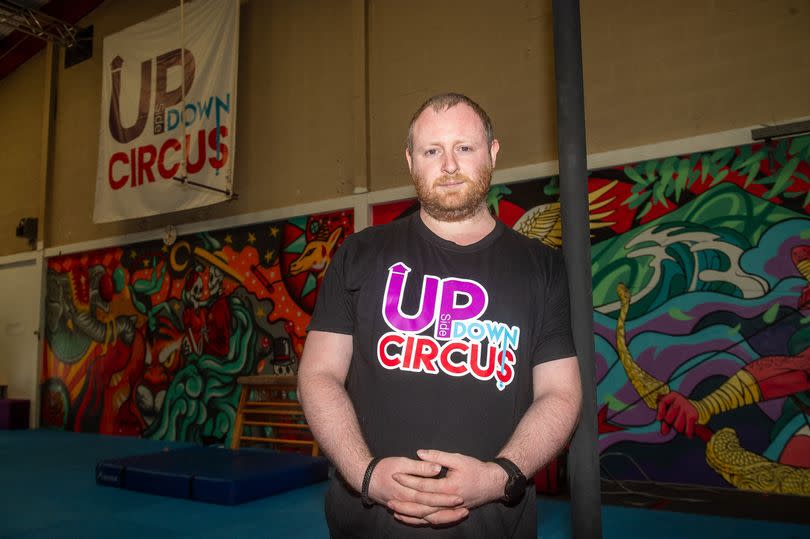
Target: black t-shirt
[{"x": 444, "y": 341}]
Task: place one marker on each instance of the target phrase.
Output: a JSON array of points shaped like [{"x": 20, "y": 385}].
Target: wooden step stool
[{"x": 265, "y": 402}]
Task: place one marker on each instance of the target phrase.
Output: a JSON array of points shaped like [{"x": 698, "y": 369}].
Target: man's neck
[{"x": 464, "y": 232}]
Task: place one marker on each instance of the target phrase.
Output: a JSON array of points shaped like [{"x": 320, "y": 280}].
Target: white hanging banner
[{"x": 161, "y": 100}]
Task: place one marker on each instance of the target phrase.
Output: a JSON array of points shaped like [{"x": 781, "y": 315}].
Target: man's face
[{"x": 452, "y": 163}]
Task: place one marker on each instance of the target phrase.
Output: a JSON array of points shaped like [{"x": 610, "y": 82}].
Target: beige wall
[
  {"x": 654, "y": 71},
  {"x": 21, "y": 104},
  {"x": 665, "y": 70}
]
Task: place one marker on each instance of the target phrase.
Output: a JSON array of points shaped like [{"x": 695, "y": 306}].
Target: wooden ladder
[{"x": 264, "y": 402}]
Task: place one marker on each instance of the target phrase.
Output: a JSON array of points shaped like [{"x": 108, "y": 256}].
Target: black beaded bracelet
[{"x": 368, "y": 502}]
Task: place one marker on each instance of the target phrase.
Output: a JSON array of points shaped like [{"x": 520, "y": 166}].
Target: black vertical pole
[{"x": 583, "y": 461}]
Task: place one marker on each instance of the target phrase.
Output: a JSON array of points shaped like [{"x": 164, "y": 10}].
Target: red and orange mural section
[{"x": 148, "y": 339}]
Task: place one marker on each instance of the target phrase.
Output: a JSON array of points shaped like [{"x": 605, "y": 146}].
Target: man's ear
[
  {"x": 408, "y": 159},
  {"x": 493, "y": 150}
]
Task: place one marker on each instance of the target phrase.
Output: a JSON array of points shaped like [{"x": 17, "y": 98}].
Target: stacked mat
[{"x": 213, "y": 475}]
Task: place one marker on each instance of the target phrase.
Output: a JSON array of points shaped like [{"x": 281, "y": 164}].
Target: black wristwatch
[{"x": 516, "y": 483}]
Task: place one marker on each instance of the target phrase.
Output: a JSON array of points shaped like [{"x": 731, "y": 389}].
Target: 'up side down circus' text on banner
[{"x": 168, "y": 111}]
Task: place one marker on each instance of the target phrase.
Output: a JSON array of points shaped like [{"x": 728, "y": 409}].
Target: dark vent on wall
[{"x": 82, "y": 50}]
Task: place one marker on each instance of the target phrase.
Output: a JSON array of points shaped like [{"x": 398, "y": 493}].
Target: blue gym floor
[{"x": 48, "y": 490}]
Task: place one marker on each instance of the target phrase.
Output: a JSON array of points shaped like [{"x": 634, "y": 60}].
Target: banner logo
[{"x": 168, "y": 111}]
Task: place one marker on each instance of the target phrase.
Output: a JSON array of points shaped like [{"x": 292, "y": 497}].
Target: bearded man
[{"x": 439, "y": 372}]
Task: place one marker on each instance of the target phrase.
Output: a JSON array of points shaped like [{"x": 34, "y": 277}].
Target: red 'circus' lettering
[
  {"x": 415, "y": 353},
  {"x": 139, "y": 163}
]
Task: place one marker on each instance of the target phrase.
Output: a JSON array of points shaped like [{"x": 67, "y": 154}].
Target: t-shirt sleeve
[
  {"x": 553, "y": 330},
  {"x": 334, "y": 310}
]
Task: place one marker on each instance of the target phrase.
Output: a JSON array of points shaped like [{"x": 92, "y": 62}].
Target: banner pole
[{"x": 184, "y": 158}]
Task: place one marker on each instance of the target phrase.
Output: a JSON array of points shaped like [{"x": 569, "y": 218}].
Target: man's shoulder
[
  {"x": 375, "y": 234},
  {"x": 362, "y": 250},
  {"x": 531, "y": 245}
]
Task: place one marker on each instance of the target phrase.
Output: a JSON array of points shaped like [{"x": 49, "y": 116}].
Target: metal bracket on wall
[
  {"x": 769, "y": 133},
  {"x": 779, "y": 131}
]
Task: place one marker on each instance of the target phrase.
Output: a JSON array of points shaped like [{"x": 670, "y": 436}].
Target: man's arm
[
  {"x": 329, "y": 412},
  {"x": 542, "y": 433},
  {"x": 549, "y": 422},
  {"x": 333, "y": 421}
]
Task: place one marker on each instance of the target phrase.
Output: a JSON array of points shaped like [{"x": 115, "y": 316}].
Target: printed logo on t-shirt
[{"x": 461, "y": 343}]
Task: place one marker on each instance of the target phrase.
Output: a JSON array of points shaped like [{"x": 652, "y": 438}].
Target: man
[{"x": 439, "y": 343}]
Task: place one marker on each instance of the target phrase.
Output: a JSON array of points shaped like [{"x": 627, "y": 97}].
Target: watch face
[
  {"x": 516, "y": 482},
  {"x": 514, "y": 490}
]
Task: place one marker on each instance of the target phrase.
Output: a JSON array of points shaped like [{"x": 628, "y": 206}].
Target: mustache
[{"x": 447, "y": 179}]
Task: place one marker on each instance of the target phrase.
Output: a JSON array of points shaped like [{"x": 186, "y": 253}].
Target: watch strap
[{"x": 510, "y": 468}]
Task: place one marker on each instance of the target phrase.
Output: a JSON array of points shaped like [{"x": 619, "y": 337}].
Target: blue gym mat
[
  {"x": 54, "y": 497},
  {"x": 213, "y": 475}
]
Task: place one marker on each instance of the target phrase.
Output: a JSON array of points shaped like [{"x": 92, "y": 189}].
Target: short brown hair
[{"x": 446, "y": 101}]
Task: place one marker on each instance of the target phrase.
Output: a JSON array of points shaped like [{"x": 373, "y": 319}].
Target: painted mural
[
  {"x": 700, "y": 268},
  {"x": 149, "y": 339}
]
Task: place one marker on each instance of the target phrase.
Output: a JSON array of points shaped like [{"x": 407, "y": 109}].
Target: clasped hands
[{"x": 412, "y": 491}]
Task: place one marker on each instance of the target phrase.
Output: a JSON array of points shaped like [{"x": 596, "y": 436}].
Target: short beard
[{"x": 470, "y": 202}]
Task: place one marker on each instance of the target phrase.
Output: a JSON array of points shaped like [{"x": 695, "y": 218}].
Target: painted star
[
  {"x": 146, "y": 262},
  {"x": 165, "y": 248},
  {"x": 274, "y": 231},
  {"x": 268, "y": 256},
  {"x": 228, "y": 239},
  {"x": 260, "y": 313},
  {"x": 133, "y": 254},
  {"x": 251, "y": 238}
]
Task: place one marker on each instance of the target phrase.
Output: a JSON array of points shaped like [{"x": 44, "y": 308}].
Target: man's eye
[
  {"x": 465, "y": 148},
  {"x": 431, "y": 152}
]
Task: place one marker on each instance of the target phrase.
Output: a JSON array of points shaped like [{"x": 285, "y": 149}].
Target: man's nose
[{"x": 449, "y": 163}]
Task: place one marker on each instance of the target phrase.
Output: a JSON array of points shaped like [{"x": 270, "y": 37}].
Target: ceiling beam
[
  {"x": 17, "y": 47},
  {"x": 37, "y": 24}
]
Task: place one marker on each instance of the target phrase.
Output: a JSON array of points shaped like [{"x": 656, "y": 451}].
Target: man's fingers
[
  {"x": 450, "y": 460},
  {"x": 444, "y": 516},
  {"x": 431, "y": 498},
  {"x": 447, "y": 516},
  {"x": 427, "y": 485},
  {"x": 436, "y": 501},
  {"x": 410, "y": 520},
  {"x": 419, "y": 467},
  {"x": 383, "y": 488},
  {"x": 411, "y": 509}
]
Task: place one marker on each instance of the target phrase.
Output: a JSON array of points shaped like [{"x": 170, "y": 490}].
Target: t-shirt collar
[{"x": 421, "y": 228}]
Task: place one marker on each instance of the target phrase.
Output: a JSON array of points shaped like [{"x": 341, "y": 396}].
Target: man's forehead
[{"x": 459, "y": 118}]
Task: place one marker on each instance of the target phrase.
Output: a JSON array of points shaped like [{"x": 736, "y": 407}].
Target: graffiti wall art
[{"x": 149, "y": 339}]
